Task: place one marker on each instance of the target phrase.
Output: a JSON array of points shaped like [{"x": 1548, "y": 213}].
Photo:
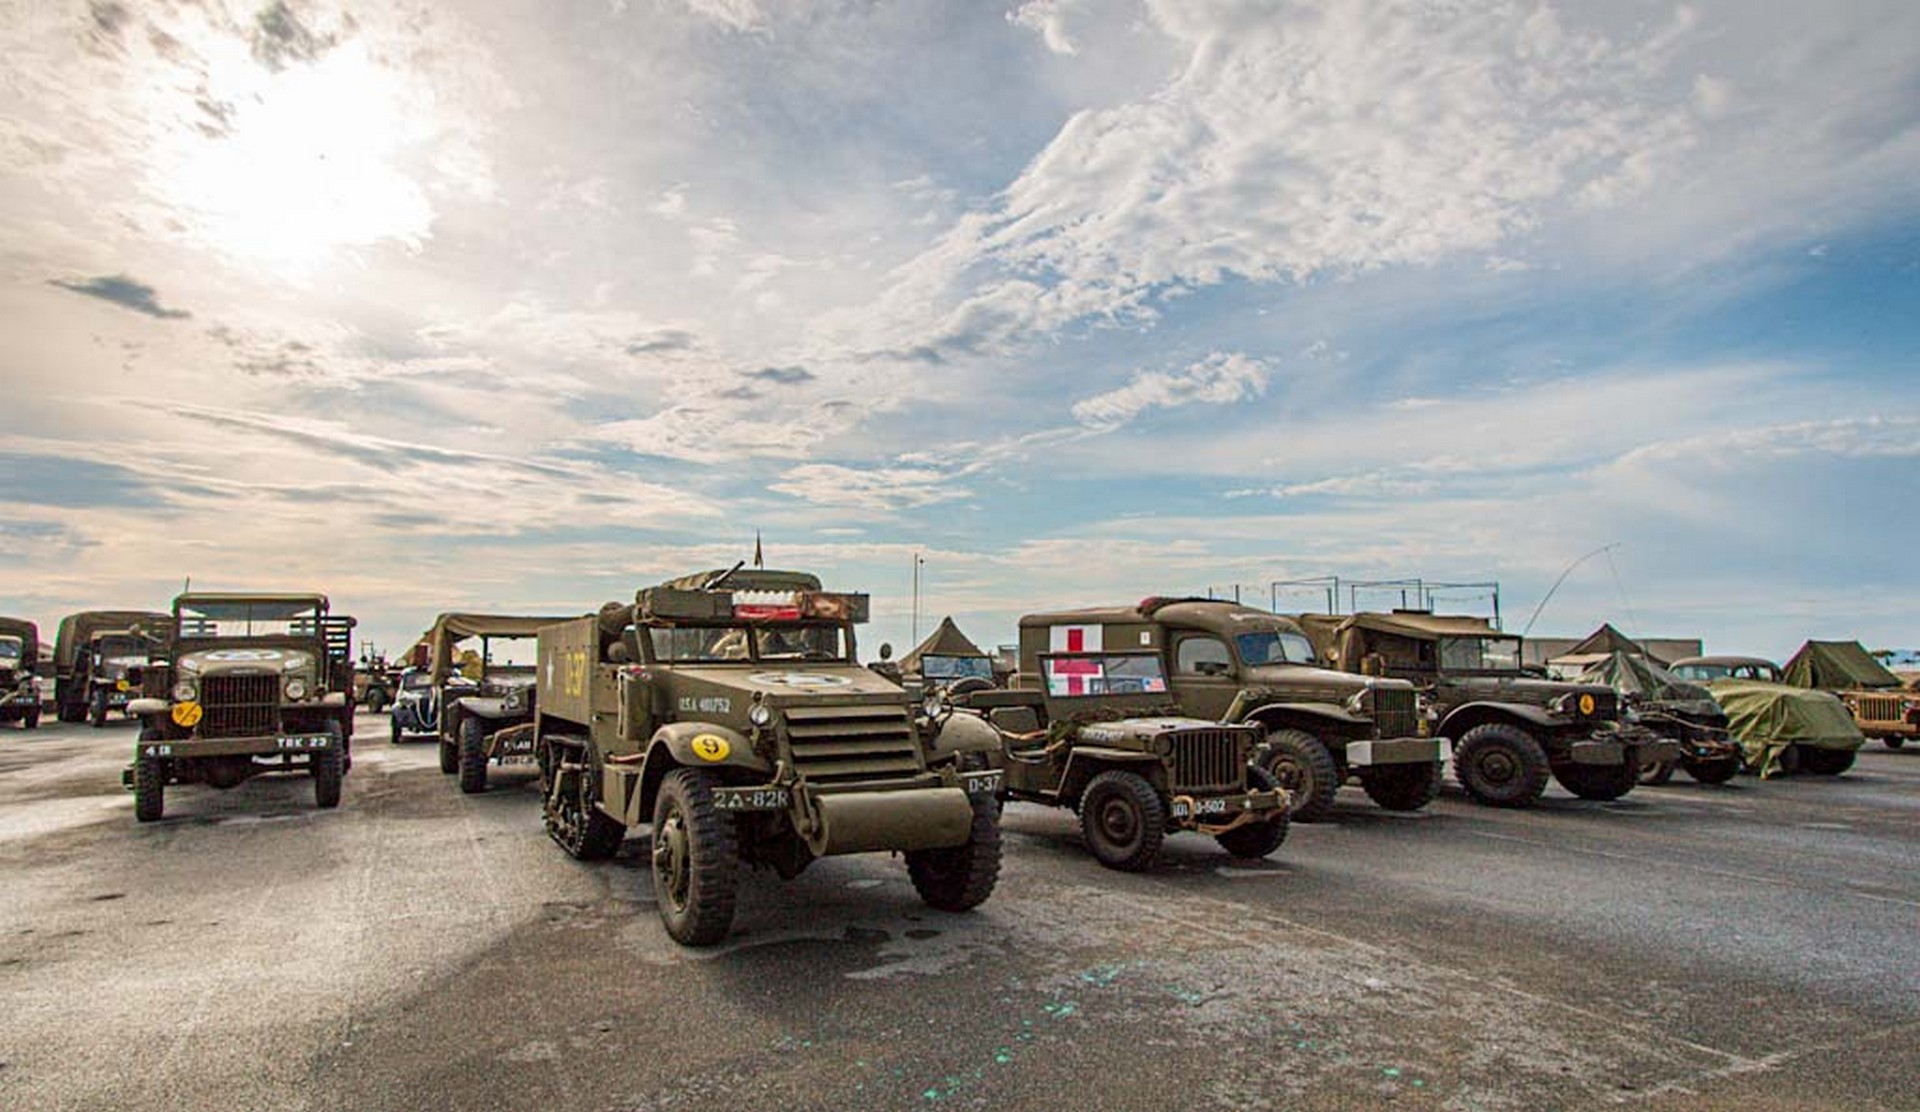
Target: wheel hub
[
  {"x": 670, "y": 866},
  {"x": 1497, "y": 766},
  {"x": 1117, "y": 821}
]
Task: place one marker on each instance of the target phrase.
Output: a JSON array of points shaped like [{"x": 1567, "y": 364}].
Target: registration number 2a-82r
[{"x": 752, "y": 799}]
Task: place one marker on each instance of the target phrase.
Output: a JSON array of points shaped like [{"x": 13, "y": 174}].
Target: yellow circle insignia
[
  {"x": 1586, "y": 704},
  {"x": 711, "y": 747},
  {"x": 187, "y": 714},
  {"x": 122, "y": 685}
]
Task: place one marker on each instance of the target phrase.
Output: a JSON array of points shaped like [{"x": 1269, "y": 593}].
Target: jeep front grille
[
  {"x": 1207, "y": 760},
  {"x": 1395, "y": 712},
  {"x": 848, "y": 743},
  {"x": 1879, "y": 708},
  {"x": 240, "y": 706}
]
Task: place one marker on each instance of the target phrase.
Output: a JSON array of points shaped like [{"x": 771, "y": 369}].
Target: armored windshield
[
  {"x": 249, "y": 618},
  {"x": 742, "y": 644},
  {"x": 10, "y": 650},
  {"x": 1479, "y": 654},
  {"x": 1274, "y": 647}
]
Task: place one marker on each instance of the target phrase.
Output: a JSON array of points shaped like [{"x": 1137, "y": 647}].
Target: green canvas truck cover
[
  {"x": 1837, "y": 666},
  {"x": 1765, "y": 718},
  {"x": 1631, "y": 674}
]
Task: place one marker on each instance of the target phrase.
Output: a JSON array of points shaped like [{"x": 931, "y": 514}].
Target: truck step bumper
[
  {"x": 909, "y": 819},
  {"x": 1397, "y": 750}
]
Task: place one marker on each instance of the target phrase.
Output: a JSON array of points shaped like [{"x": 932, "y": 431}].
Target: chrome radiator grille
[{"x": 1395, "y": 713}]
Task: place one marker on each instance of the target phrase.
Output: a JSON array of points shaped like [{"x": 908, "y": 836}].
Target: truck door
[{"x": 1205, "y": 680}]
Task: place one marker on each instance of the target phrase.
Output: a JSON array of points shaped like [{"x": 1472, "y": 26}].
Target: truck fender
[
  {"x": 486, "y": 706},
  {"x": 1526, "y": 714},
  {"x": 705, "y": 745},
  {"x": 1326, "y": 713},
  {"x": 141, "y": 708},
  {"x": 1085, "y": 762}
]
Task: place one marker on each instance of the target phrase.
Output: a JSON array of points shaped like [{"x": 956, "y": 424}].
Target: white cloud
[
  {"x": 735, "y": 15},
  {"x": 1220, "y": 379},
  {"x": 1048, "y": 19},
  {"x": 880, "y": 490}
]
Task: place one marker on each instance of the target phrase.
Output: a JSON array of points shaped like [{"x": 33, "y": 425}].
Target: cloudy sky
[{"x": 521, "y": 306}]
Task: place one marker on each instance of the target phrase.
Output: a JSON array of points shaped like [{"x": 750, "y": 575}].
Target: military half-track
[{"x": 727, "y": 709}]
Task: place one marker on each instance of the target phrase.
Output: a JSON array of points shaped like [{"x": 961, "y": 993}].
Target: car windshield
[
  {"x": 510, "y": 656},
  {"x": 1480, "y": 654},
  {"x": 250, "y": 618},
  {"x": 121, "y": 648},
  {"x": 1077, "y": 676},
  {"x": 1717, "y": 670},
  {"x": 948, "y": 668},
  {"x": 1274, "y": 647},
  {"x": 726, "y": 644},
  {"x": 416, "y": 681},
  {"x": 10, "y": 649}
]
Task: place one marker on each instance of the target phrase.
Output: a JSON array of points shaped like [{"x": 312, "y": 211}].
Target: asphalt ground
[{"x": 1752, "y": 947}]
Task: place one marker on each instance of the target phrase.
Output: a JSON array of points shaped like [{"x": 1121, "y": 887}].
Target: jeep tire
[
  {"x": 1401, "y": 787},
  {"x": 696, "y": 866},
  {"x": 1501, "y": 765},
  {"x": 1716, "y": 771},
  {"x": 960, "y": 878},
  {"x": 1254, "y": 840},
  {"x": 473, "y": 754},
  {"x": 1123, "y": 820},
  {"x": 449, "y": 757},
  {"x": 1299, "y": 763}
]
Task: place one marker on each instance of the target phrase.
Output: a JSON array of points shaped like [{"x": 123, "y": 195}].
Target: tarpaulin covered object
[{"x": 1766, "y": 718}]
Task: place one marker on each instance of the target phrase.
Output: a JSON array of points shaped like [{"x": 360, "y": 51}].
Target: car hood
[
  {"x": 789, "y": 683},
  {"x": 244, "y": 662},
  {"x": 1307, "y": 680}
]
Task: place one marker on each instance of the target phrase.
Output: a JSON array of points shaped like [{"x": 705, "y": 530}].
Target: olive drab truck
[
  {"x": 99, "y": 661},
  {"x": 1225, "y": 662},
  {"x": 487, "y": 719},
  {"x": 728, "y": 710},
  {"x": 19, "y": 663},
  {"x": 255, "y": 683},
  {"x": 1510, "y": 730}
]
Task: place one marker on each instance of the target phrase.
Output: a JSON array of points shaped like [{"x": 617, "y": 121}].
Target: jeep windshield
[
  {"x": 1480, "y": 654},
  {"x": 249, "y": 618},
  {"x": 729, "y": 644},
  {"x": 1273, "y": 647},
  {"x": 950, "y": 668}
]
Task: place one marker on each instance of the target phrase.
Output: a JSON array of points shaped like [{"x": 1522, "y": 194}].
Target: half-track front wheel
[
  {"x": 1304, "y": 767},
  {"x": 1256, "y": 839},
  {"x": 329, "y": 769},
  {"x": 149, "y": 783},
  {"x": 1501, "y": 765},
  {"x": 1825, "y": 762},
  {"x": 1123, "y": 820},
  {"x": 960, "y": 878},
  {"x": 473, "y": 754},
  {"x": 695, "y": 859},
  {"x": 1401, "y": 787}
]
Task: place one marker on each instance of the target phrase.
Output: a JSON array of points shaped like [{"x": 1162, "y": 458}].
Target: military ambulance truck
[{"x": 727, "y": 710}]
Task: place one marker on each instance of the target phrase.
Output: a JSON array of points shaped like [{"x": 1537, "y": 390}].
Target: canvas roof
[
  {"x": 451, "y": 629},
  {"x": 1837, "y": 666},
  {"x": 1418, "y": 625},
  {"x": 945, "y": 640},
  {"x": 1605, "y": 641}
]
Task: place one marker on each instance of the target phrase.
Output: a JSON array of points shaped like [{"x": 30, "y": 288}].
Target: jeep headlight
[
  {"x": 1561, "y": 704},
  {"x": 1163, "y": 746},
  {"x": 1357, "y": 703},
  {"x": 760, "y": 714},
  {"x": 296, "y": 688},
  {"x": 185, "y": 691},
  {"x": 515, "y": 700}
]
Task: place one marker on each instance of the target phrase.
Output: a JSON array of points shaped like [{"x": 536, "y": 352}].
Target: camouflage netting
[
  {"x": 1765, "y": 718},
  {"x": 1837, "y": 666}
]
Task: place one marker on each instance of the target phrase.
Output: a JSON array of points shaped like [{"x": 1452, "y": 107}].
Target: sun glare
[{"x": 303, "y": 164}]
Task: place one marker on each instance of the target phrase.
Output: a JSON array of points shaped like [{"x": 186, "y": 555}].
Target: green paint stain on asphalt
[{"x": 1390, "y": 1072}]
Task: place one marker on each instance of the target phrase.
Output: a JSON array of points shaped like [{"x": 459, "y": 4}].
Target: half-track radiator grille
[{"x": 840, "y": 744}]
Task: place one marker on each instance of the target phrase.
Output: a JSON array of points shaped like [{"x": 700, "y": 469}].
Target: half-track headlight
[
  {"x": 296, "y": 688},
  {"x": 186, "y": 691},
  {"x": 934, "y": 705},
  {"x": 760, "y": 714}
]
